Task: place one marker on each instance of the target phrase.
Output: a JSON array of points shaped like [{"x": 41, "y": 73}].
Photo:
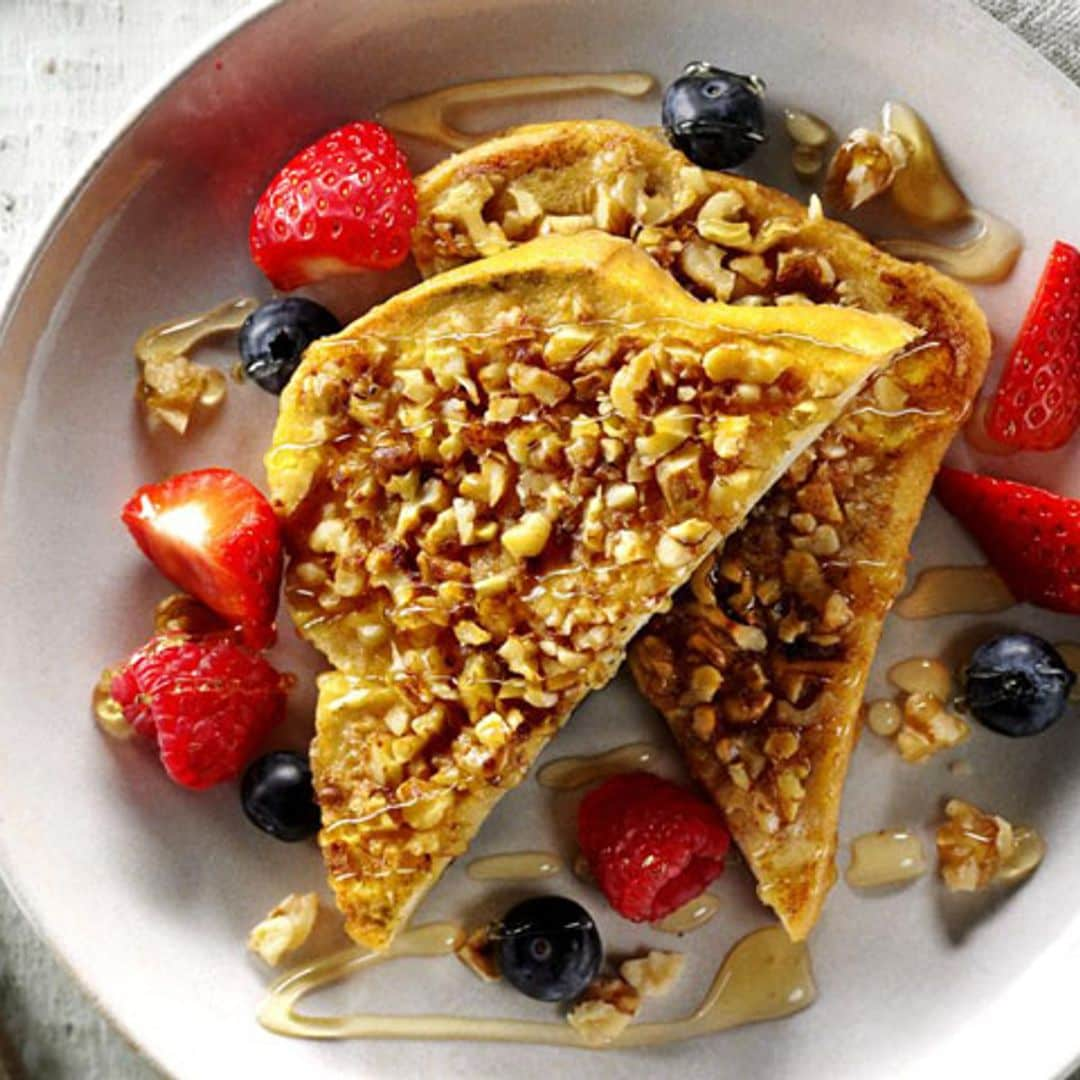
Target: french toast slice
[
  {"x": 487, "y": 486},
  {"x": 760, "y": 668}
]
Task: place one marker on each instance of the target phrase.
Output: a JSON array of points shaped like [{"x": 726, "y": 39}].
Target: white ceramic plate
[{"x": 147, "y": 890}]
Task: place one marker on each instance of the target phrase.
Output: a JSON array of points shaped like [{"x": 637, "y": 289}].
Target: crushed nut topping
[
  {"x": 604, "y": 1011},
  {"x": 286, "y": 928},
  {"x": 172, "y": 386},
  {"x": 973, "y": 846},
  {"x": 864, "y": 166},
  {"x": 928, "y": 728},
  {"x": 654, "y": 974},
  {"x": 107, "y": 711}
]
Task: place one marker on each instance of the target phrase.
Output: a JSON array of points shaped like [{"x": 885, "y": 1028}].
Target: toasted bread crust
[{"x": 760, "y": 669}]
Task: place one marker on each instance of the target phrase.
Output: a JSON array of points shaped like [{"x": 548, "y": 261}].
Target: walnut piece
[
  {"x": 864, "y": 166},
  {"x": 477, "y": 953},
  {"x": 654, "y": 974},
  {"x": 107, "y": 711},
  {"x": 928, "y": 728},
  {"x": 286, "y": 928},
  {"x": 604, "y": 1011}
]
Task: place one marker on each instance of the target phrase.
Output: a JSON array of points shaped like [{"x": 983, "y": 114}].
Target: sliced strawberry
[
  {"x": 1037, "y": 404},
  {"x": 346, "y": 203},
  {"x": 1031, "y": 536},
  {"x": 214, "y": 534}
]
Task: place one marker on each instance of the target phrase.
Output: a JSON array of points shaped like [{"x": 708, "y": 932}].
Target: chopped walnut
[
  {"x": 654, "y": 974},
  {"x": 864, "y": 165},
  {"x": 286, "y": 928},
  {"x": 478, "y": 954},
  {"x": 171, "y": 386},
  {"x": 928, "y": 727},
  {"x": 604, "y": 1011},
  {"x": 973, "y": 846}
]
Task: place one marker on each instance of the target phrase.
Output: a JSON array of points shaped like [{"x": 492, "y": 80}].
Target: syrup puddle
[
  {"x": 884, "y": 718},
  {"x": 427, "y": 116},
  {"x": 921, "y": 675},
  {"x": 926, "y": 192},
  {"x": 515, "y": 866},
  {"x": 181, "y": 336},
  {"x": 955, "y": 590},
  {"x": 691, "y": 916},
  {"x": 765, "y": 976},
  {"x": 889, "y": 857},
  {"x": 568, "y": 773}
]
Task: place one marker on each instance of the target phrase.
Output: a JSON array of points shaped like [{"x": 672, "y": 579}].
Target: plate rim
[{"x": 28, "y": 257}]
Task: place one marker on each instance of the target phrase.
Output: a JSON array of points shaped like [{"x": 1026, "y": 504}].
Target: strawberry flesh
[
  {"x": 1031, "y": 536},
  {"x": 215, "y": 535},
  {"x": 1037, "y": 404}
]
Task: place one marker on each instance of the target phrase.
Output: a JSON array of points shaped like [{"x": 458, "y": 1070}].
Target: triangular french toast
[
  {"x": 488, "y": 485},
  {"x": 760, "y": 668}
]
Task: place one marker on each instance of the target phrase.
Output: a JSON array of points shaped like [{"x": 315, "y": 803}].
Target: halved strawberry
[
  {"x": 345, "y": 203},
  {"x": 215, "y": 535},
  {"x": 1031, "y": 536},
  {"x": 1037, "y": 404}
]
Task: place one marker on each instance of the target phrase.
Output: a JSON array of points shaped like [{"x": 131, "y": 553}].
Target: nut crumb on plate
[
  {"x": 977, "y": 849},
  {"x": 477, "y": 953},
  {"x": 604, "y": 1011},
  {"x": 654, "y": 974},
  {"x": 285, "y": 928}
]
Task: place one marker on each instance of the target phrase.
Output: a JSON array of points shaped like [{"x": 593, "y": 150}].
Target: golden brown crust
[
  {"x": 487, "y": 485},
  {"x": 760, "y": 669}
]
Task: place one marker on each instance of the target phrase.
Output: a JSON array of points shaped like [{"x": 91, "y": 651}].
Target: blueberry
[
  {"x": 549, "y": 948},
  {"x": 277, "y": 796},
  {"x": 714, "y": 116},
  {"x": 1017, "y": 684},
  {"x": 275, "y": 335}
]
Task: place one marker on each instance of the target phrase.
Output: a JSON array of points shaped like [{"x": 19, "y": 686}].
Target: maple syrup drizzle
[
  {"x": 955, "y": 590},
  {"x": 180, "y": 336},
  {"x": 922, "y": 675},
  {"x": 515, "y": 866},
  {"x": 926, "y": 192},
  {"x": 568, "y": 773},
  {"x": 1028, "y": 851},
  {"x": 888, "y": 857},
  {"x": 765, "y": 976},
  {"x": 427, "y": 116},
  {"x": 1070, "y": 653},
  {"x": 691, "y": 916},
  {"x": 884, "y": 718},
  {"x": 978, "y": 438}
]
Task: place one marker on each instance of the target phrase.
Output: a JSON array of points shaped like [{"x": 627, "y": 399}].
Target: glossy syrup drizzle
[
  {"x": 428, "y": 115},
  {"x": 691, "y": 916},
  {"x": 888, "y": 857},
  {"x": 926, "y": 192},
  {"x": 922, "y": 675},
  {"x": 180, "y": 336},
  {"x": 955, "y": 590},
  {"x": 567, "y": 773},
  {"x": 515, "y": 866},
  {"x": 765, "y": 976}
]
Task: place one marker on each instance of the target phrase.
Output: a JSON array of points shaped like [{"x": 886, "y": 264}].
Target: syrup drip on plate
[
  {"x": 888, "y": 857},
  {"x": 515, "y": 866},
  {"x": 568, "y": 773},
  {"x": 922, "y": 675},
  {"x": 926, "y": 192},
  {"x": 955, "y": 590},
  {"x": 765, "y": 976},
  {"x": 180, "y": 336},
  {"x": 691, "y": 916},
  {"x": 428, "y": 116}
]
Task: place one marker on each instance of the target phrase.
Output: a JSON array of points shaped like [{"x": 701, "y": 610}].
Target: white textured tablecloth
[{"x": 67, "y": 68}]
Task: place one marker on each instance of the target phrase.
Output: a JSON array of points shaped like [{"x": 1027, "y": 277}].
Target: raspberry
[
  {"x": 652, "y": 845},
  {"x": 207, "y": 702}
]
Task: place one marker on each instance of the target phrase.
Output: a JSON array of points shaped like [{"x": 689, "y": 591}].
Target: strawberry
[
  {"x": 346, "y": 203},
  {"x": 652, "y": 845},
  {"x": 1031, "y": 536},
  {"x": 1037, "y": 404},
  {"x": 215, "y": 535},
  {"x": 207, "y": 702}
]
